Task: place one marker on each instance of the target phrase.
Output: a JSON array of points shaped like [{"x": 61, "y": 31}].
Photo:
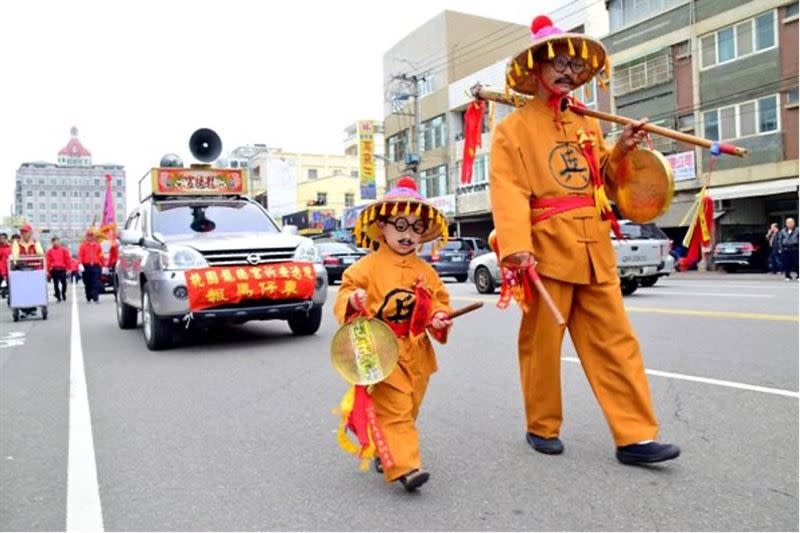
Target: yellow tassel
[
  {"x": 511, "y": 81},
  {"x": 491, "y": 115},
  {"x": 602, "y": 82},
  {"x": 418, "y": 212},
  {"x": 550, "y": 53},
  {"x": 517, "y": 70},
  {"x": 505, "y": 90},
  {"x": 530, "y": 59},
  {"x": 383, "y": 208},
  {"x": 571, "y": 48},
  {"x": 594, "y": 62},
  {"x": 584, "y": 51},
  {"x": 607, "y": 66},
  {"x": 372, "y": 214},
  {"x": 394, "y": 209},
  {"x": 408, "y": 208}
]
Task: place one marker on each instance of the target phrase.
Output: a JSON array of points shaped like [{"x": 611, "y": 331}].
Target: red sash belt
[
  {"x": 558, "y": 204},
  {"x": 401, "y": 329}
]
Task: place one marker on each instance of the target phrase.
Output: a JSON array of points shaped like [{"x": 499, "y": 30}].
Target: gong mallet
[
  {"x": 537, "y": 282},
  {"x": 464, "y": 310}
]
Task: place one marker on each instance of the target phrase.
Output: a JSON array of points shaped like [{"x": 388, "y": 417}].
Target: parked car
[
  {"x": 453, "y": 260},
  {"x": 484, "y": 272},
  {"x": 337, "y": 256},
  {"x": 743, "y": 250},
  {"x": 651, "y": 231}
]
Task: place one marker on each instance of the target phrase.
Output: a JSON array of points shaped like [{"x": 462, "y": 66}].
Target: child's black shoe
[{"x": 414, "y": 480}]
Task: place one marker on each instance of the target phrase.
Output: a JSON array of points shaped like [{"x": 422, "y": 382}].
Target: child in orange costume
[{"x": 395, "y": 285}]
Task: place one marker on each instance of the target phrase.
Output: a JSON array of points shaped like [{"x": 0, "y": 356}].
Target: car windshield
[
  {"x": 451, "y": 246},
  {"x": 642, "y": 231},
  {"x": 335, "y": 248},
  {"x": 175, "y": 220}
]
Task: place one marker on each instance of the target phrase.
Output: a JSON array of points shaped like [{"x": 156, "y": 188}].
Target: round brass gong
[
  {"x": 643, "y": 186},
  {"x": 364, "y": 351}
]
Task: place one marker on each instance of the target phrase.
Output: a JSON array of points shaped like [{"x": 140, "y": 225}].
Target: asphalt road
[{"x": 233, "y": 430}]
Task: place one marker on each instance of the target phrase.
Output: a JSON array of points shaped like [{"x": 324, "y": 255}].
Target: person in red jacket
[
  {"x": 5, "y": 253},
  {"x": 59, "y": 261},
  {"x": 90, "y": 256},
  {"x": 74, "y": 270}
]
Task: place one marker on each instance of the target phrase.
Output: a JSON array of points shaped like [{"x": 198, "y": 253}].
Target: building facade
[
  {"x": 65, "y": 198},
  {"x": 725, "y": 70}
]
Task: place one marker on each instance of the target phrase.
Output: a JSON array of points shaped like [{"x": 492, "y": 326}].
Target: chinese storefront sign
[{"x": 366, "y": 159}]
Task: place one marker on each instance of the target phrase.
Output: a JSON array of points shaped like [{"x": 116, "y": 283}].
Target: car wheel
[
  {"x": 461, "y": 278},
  {"x": 483, "y": 281},
  {"x": 44, "y": 313},
  {"x": 628, "y": 286},
  {"x": 15, "y": 315},
  {"x": 302, "y": 323},
  {"x": 126, "y": 314},
  {"x": 648, "y": 281},
  {"x": 157, "y": 331}
]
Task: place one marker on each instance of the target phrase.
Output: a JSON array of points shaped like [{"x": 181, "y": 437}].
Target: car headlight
[
  {"x": 181, "y": 258},
  {"x": 306, "y": 251}
]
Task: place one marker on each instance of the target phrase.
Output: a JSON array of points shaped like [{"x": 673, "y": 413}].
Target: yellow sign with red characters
[
  {"x": 196, "y": 181},
  {"x": 216, "y": 286}
]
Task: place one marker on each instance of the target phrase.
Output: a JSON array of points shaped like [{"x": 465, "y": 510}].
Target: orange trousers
[
  {"x": 397, "y": 402},
  {"x": 609, "y": 353}
]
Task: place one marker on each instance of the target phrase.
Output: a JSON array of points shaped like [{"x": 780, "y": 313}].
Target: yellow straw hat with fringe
[
  {"x": 403, "y": 199},
  {"x": 520, "y": 77}
]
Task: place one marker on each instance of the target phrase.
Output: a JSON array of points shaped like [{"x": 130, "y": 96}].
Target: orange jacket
[
  {"x": 31, "y": 247},
  {"x": 90, "y": 253},
  {"x": 388, "y": 279},
  {"x": 58, "y": 258},
  {"x": 533, "y": 158}
]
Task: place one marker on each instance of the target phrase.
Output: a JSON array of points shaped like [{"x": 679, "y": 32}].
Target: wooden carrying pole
[{"x": 482, "y": 93}]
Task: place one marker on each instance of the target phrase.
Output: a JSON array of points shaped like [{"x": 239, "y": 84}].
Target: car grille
[{"x": 240, "y": 257}]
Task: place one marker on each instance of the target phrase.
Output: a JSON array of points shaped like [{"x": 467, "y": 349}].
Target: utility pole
[{"x": 413, "y": 158}]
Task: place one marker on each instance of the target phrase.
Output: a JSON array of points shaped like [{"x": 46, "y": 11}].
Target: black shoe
[
  {"x": 552, "y": 446},
  {"x": 378, "y": 466},
  {"x": 651, "y": 452},
  {"x": 414, "y": 480}
]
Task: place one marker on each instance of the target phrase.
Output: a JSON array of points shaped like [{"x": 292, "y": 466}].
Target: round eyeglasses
[
  {"x": 576, "y": 64},
  {"x": 402, "y": 224}
]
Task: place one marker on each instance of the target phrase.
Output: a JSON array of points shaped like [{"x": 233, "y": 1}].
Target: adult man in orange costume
[
  {"x": 395, "y": 285},
  {"x": 549, "y": 170}
]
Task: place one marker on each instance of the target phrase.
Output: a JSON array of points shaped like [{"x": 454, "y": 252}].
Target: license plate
[
  {"x": 456, "y": 258},
  {"x": 348, "y": 260},
  {"x": 729, "y": 250}
]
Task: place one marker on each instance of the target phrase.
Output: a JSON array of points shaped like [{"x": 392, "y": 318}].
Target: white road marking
[
  {"x": 84, "y": 512},
  {"x": 693, "y": 293},
  {"x": 13, "y": 338},
  {"x": 710, "y": 381}
]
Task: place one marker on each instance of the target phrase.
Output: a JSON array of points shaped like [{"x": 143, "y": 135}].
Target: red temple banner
[
  {"x": 216, "y": 286},
  {"x": 189, "y": 181}
]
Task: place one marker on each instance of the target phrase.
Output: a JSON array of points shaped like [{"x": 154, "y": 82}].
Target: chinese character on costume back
[
  {"x": 551, "y": 178},
  {"x": 396, "y": 288}
]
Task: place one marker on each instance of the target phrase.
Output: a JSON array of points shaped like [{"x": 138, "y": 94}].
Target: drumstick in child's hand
[{"x": 464, "y": 310}]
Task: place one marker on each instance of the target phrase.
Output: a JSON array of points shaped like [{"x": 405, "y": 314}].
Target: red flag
[{"x": 473, "y": 127}]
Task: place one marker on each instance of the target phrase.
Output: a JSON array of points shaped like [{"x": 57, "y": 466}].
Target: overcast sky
[{"x": 138, "y": 77}]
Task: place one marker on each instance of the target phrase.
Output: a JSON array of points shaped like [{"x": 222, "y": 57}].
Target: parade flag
[
  {"x": 108, "y": 227},
  {"x": 473, "y": 127}
]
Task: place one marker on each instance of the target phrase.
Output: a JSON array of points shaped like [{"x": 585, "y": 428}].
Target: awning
[{"x": 747, "y": 190}]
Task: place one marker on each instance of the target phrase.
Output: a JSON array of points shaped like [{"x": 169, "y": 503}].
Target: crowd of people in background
[{"x": 88, "y": 266}]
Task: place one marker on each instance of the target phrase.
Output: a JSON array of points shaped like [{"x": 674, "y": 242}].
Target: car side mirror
[{"x": 131, "y": 236}]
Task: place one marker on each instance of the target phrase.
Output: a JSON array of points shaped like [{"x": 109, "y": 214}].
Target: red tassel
[{"x": 421, "y": 316}]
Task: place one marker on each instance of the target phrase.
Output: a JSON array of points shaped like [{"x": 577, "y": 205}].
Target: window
[
  {"x": 322, "y": 198},
  {"x": 626, "y": 12},
  {"x": 42, "y": 193},
  {"x": 432, "y": 134},
  {"x": 433, "y": 181},
  {"x": 686, "y": 123},
  {"x": 119, "y": 194},
  {"x": 29, "y": 193},
  {"x": 97, "y": 194},
  {"x": 354, "y": 173},
  {"x": 96, "y": 182},
  {"x": 29, "y": 206},
  {"x": 791, "y": 10},
  {"x": 753, "y": 117},
  {"x": 53, "y": 218},
  {"x": 652, "y": 70},
  {"x": 586, "y": 94},
  {"x": 54, "y": 193},
  {"x": 480, "y": 170},
  {"x": 741, "y": 40},
  {"x": 63, "y": 194},
  {"x": 42, "y": 206},
  {"x": 349, "y": 199},
  {"x": 54, "y": 206},
  {"x": 119, "y": 182},
  {"x": 396, "y": 146},
  {"x": 791, "y": 95},
  {"x": 425, "y": 86},
  {"x": 682, "y": 50},
  {"x": 87, "y": 194},
  {"x": 312, "y": 173}
]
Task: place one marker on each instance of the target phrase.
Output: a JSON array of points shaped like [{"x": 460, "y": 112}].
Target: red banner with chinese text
[
  {"x": 191, "y": 181},
  {"x": 216, "y": 286}
]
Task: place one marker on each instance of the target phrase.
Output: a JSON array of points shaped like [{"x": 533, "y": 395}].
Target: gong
[
  {"x": 643, "y": 185},
  {"x": 364, "y": 351}
]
